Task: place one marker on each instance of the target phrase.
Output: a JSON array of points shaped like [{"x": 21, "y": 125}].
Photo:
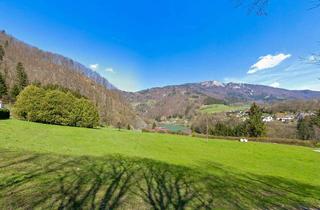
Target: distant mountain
[
  {"x": 186, "y": 99},
  {"x": 51, "y": 68}
]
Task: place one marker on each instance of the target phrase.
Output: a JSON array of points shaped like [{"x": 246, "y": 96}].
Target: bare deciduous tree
[{"x": 260, "y": 7}]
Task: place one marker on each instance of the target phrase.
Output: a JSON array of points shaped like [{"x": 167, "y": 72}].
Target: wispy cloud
[
  {"x": 267, "y": 62},
  {"x": 109, "y": 70},
  {"x": 315, "y": 59},
  {"x": 94, "y": 66},
  {"x": 275, "y": 84},
  {"x": 298, "y": 75}
]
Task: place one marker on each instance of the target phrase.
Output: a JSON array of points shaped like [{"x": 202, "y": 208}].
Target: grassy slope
[
  {"x": 257, "y": 175},
  {"x": 216, "y": 108}
]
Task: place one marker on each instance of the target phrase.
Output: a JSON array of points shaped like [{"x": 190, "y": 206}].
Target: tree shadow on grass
[
  {"x": 29, "y": 181},
  {"x": 247, "y": 191},
  {"x": 164, "y": 186}
]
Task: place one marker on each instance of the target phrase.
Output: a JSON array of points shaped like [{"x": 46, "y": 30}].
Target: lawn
[
  {"x": 51, "y": 167},
  {"x": 217, "y": 108}
]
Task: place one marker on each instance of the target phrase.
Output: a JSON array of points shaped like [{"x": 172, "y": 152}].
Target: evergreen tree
[
  {"x": 255, "y": 125},
  {"x": 1, "y": 53},
  {"x": 305, "y": 129},
  {"x": 154, "y": 125},
  {"x": 22, "y": 78},
  {"x": 119, "y": 126},
  {"x": 21, "y": 81},
  {"x": 316, "y": 119},
  {"x": 15, "y": 91},
  {"x": 6, "y": 44},
  {"x": 3, "y": 86}
]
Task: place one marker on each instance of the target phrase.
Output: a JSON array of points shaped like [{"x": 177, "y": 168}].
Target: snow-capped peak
[{"x": 212, "y": 84}]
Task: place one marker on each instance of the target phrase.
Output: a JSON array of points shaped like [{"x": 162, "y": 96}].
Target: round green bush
[
  {"x": 53, "y": 106},
  {"x": 4, "y": 114}
]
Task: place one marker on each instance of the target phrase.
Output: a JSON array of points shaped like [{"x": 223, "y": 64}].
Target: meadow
[
  {"x": 217, "y": 108},
  {"x": 57, "y": 167}
]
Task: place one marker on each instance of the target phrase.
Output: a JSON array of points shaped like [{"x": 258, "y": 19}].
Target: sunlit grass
[
  {"x": 217, "y": 108},
  {"x": 256, "y": 175}
]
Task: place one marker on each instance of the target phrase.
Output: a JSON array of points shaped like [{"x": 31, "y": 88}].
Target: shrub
[
  {"x": 4, "y": 114},
  {"x": 85, "y": 114},
  {"x": 55, "y": 107},
  {"x": 29, "y": 104}
]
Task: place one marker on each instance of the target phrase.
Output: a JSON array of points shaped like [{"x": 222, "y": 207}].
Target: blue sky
[{"x": 141, "y": 44}]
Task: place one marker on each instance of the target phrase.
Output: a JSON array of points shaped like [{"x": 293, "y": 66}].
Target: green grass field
[
  {"x": 55, "y": 167},
  {"x": 217, "y": 108}
]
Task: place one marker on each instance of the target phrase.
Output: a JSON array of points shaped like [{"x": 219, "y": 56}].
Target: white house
[
  {"x": 1, "y": 105},
  {"x": 267, "y": 119},
  {"x": 285, "y": 119}
]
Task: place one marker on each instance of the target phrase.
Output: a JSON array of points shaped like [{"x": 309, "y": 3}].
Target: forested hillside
[
  {"x": 49, "y": 68},
  {"x": 186, "y": 99}
]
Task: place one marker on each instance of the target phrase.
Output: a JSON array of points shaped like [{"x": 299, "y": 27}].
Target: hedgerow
[{"x": 4, "y": 114}]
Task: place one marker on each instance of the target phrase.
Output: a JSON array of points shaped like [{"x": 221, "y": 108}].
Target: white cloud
[
  {"x": 109, "y": 70},
  {"x": 314, "y": 59},
  {"x": 275, "y": 84},
  {"x": 267, "y": 62},
  {"x": 296, "y": 76},
  {"x": 94, "y": 67}
]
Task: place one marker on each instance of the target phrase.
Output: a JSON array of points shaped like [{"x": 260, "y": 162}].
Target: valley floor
[{"x": 51, "y": 167}]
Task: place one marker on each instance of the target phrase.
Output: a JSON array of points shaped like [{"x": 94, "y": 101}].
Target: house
[
  {"x": 285, "y": 119},
  {"x": 267, "y": 119},
  {"x": 1, "y": 105},
  {"x": 302, "y": 115}
]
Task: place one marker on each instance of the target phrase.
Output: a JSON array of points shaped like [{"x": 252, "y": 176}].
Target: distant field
[
  {"x": 55, "y": 167},
  {"x": 216, "y": 108}
]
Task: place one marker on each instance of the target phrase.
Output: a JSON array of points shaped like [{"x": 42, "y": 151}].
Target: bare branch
[
  {"x": 315, "y": 4},
  {"x": 259, "y": 7}
]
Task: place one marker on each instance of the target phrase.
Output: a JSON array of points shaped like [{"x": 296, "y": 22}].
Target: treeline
[
  {"x": 21, "y": 80},
  {"x": 294, "y": 106},
  {"x": 252, "y": 127},
  {"x": 53, "y": 106},
  {"x": 307, "y": 128}
]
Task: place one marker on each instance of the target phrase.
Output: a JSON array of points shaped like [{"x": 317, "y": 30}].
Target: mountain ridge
[
  {"x": 217, "y": 83},
  {"x": 59, "y": 59},
  {"x": 50, "y": 68},
  {"x": 186, "y": 99}
]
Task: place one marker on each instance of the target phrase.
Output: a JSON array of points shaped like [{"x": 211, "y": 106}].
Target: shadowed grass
[
  {"x": 55, "y": 167},
  {"x": 62, "y": 182}
]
